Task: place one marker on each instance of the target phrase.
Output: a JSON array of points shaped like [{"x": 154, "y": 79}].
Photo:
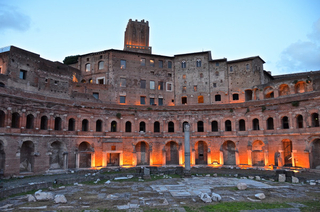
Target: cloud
[
  {"x": 302, "y": 55},
  {"x": 12, "y": 18}
]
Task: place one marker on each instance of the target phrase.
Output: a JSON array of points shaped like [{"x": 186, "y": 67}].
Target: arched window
[
  {"x": 248, "y": 95},
  {"x": 156, "y": 126},
  {"x": 198, "y": 63},
  {"x": 284, "y": 90},
  {"x": 183, "y": 125},
  {"x": 299, "y": 121},
  {"x": 270, "y": 123},
  {"x": 315, "y": 119},
  {"x": 200, "y": 99},
  {"x": 113, "y": 126},
  {"x": 227, "y": 125},
  {"x": 217, "y": 98},
  {"x": 214, "y": 126},
  {"x": 184, "y": 100},
  {"x": 255, "y": 124},
  {"x": 170, "y": 126},
  {"x": 101, "y": 65},
  {"x": 128, "y": 126},
  {"x": 183, "y": 64},
  {"x": 44, "y": 123},
  {"x": 285, "y": 122},
  {"x": 85, "y": 125},
  {"x": 87, "y": 67},
  {"x": 99, "y": 125},
  {"x": 57, "y": 123},
  {"x": 15, "y": 121},
  {"x": 300, "y": 87},
  {"x": 2, "y": 118},
  {"x": 242, "y": 125},
  {"x": 235, "y": 96},
  {"x": 268, "y": 93},
  {"x": 200, "y": 126},
  {"x": 142, "y": 127},
  {"x": 30, "y": 121},
  {"x": 71, "y": 124}
]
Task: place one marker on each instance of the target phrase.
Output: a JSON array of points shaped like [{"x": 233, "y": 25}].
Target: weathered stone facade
[{"x": 128, "y": 108}]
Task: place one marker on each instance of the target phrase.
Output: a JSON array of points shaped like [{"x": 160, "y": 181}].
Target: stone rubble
[
  {"x": 60, "y": 198},
  {"x": 242, "y": 186},
  {"x": 40, "y": 196},
  {"x": 260, "y": 196}
]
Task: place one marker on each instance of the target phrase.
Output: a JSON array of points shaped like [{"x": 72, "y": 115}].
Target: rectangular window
[
  {"x": 101, "y": 81},
  {"x": 195, "y": 88},
  {"x": 169, "y": 64},
  {"x": 169, "y": 75},
  {"x": 160, "y": 85},
  {"x": 152, "y": 63},
  {"x": 231, "y": 69},
  {"x": 142, "y": 100},
  {"x": 123, "y": 82},
  {"x": 169, "y": 86},
  {"x": 23, "y": 74},
  {"x": 122, "y": 99},
  {"x": 151, "y": 101},
  {"x": 160, "y": 101},
  {"x": 142, "y": 84},
  {"x": 152, "y": 85},
  {"x": 96, "y": 95},
  {"x": 160, "y": 64},
  {"x": 184, "y": 89},
  {"x": 217, "y": 98},
  {"x": 123, "y": 64},
  {"x": 214, "y": 85},
  {"x": 143, "y": 61},
  {"x": 217, "y": 63}
]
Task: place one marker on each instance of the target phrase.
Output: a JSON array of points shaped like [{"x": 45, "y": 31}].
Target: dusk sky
[{"x": 284, "y": 33}]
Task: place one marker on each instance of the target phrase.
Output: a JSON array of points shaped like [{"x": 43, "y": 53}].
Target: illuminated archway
[
  {"x": 315, "y": 154},
  {"x": 257, "y": 153},
  {"x": 142, "y": 152},
  {"x": 201, "y": 153},
  {"x": 229, "y": 153},
  {"x": 172, "y": 153},
  {"x": 85, "y": 155}
]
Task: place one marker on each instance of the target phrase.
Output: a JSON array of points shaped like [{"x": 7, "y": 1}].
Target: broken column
[{"x": 187, "y": 148}]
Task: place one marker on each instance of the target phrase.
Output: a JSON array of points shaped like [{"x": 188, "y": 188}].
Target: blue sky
[{"x": 285, "y": 33}]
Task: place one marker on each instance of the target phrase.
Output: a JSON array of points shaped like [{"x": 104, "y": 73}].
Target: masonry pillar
[
  {"x": 209, "y": 157},
  {"x": 280, "y": 158},
  {"x": 266, "y": 157},
  {"x": 134, "y": 158},
  {"x": 65, "y": 160},
  {"x": 249, "y": 152},
  {"x": 293, "y": 159},
  {"x": 150, "y": 156},
  {"x": 93, "y": 159},
  {"x": 221, "y": 158},
  {"x": 104, "y": 159},
  {"x": 187, "y": 146},
  {"x": 77, "y": 160},
  {"x": 193, "y": 157},
  {"x": 237, "y": 158},
  {"x": 164, "y": 161}
]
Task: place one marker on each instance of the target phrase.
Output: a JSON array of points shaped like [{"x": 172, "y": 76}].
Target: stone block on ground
[
  {"x": 40, "y": 196},
  {"x": 242, "y": 186},
  {"x": 295, "y": 179},
  {"x": 31, "y": 198},
  {"x": 282, "y": 178},
  {"x": 205, "y": 197},
  {"x": 260, "y": 196},
  {"x": 60, "y": 198},
  {"x": 215, "y": 197}
]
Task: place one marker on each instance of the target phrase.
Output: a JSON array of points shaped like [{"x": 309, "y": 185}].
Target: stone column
[
  {"x": 164, "y": 161},
  {"x": 293, "y": 159},
  {"x": 266, "y": 157},
  {"x": 209, "y": 157},
  {"x": 150, "y": 156},
  {"x": 187, "y": 147},
  {"x": 77, "y": 160},
  {"x": 65, "y": 160}
]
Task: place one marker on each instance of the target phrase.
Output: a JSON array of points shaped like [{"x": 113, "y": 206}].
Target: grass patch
[
  {"x": 312, "y": 206},
  {"x": 237, "y": 206}
]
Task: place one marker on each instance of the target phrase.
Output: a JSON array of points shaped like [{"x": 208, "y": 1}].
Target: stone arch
[
  {"x": 99, "y": 127},
  {"x": 142, "y": 153},
  {"x": 128, "y": 126},
  {"x": 57, "y": 150},
  {"x": 315, "y": 154},
  {"x": 229, "y": 152},
  {"x": 201, "y": 154},
  {"x": 172, "y": 153},
  {"x": 284, "y": 90},
  {"x": 15, "y": 120},
  {"x": 2, "y": 118},
  {"x": 27, "y": 156},
  {"x": 2, "y": 158},
  {"x": 300, "y": 87},
  {"x": 85, "y": 151},
  {"x": 113, "y": 126},
  {"x": 268, "y": 92},
  {"x": 287, "y": 152},
  {"x": 258, "y": 153}
]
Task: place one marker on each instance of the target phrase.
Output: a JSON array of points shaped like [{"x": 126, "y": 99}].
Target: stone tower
[{"x": 136, "y": 37}]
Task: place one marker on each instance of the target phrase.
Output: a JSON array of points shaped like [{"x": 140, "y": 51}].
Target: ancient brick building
[{"x": 128, "y": 108}]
